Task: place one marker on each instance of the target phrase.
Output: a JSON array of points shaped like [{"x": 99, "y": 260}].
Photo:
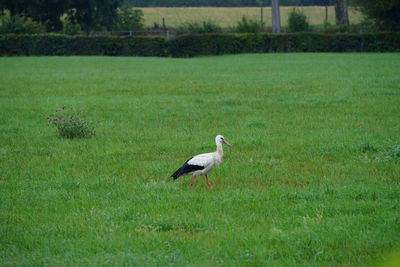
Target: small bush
[
  {"x": 333, "y": 28},
  {"x": 70, "y": 27},
  {"x": 196, "y": 27},
  {"x": 71, "y": 124},
  {"x": 19, "y": 24},
  {"x": 387, "y": 154},
  {"x": 246, "y": 25},
  {"x": 363, "y": 27},
  {"x": 394, "y": 152},
  {"x": 366, "y": 26},
  {"x": 129, "y": 19},
  {"x": 297, "y": 21},
  {"x": 367, "y": 147}
]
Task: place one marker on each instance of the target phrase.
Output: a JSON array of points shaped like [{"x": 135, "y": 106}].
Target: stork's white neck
[{"x": 220, "y": 151}]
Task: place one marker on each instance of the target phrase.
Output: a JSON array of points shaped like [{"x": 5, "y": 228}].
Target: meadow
[
  {"x": 312, "y": 179},
  {"x": 229, "y": 16}
]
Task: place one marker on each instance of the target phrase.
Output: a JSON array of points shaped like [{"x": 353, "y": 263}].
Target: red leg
[
  {"x": 208, "y": 183},
  {"x": 192, "y": 181}
]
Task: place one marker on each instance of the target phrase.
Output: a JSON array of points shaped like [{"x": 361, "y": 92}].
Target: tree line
[
  {"x": 94, "y": 15},
  {"x": 223, "y": 3},
  {"x": 89, "y": 13}
]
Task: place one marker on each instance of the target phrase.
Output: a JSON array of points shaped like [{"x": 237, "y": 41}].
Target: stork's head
[{"x": 219, "y": 139}]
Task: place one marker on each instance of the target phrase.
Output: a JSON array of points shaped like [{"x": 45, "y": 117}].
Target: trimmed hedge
[{"x": 195, "y": 45}]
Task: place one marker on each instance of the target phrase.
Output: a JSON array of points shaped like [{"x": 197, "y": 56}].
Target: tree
[
  {"x": 341, "y": 11},
  {"x": 385, "y": 13},
  {"x": 276, "y": 17},
  {"x": 94, "y": 14},
  {"x": 129, "y": 19},
  {"x": 88, "y": 13},
  {"x": 19, "y": 24},
  {"x": 47, "y": 12}
]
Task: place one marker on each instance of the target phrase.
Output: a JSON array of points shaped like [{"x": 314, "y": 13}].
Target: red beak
[{"x": 226, "y": 143}]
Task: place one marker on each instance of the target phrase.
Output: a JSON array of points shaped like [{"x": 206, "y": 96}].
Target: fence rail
[{"x": 165, "y": 32}]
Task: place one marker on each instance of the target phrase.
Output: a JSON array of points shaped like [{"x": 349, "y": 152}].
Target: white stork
[{"x": 201, "y": 164}]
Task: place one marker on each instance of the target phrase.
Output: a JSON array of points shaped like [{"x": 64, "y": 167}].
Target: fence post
[
  {"x": 326, "y": 14},
  {"x": 262, "y": 17}
]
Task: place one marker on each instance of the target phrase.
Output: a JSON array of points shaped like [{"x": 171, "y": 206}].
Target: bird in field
[{"x": 201, "y": 164}]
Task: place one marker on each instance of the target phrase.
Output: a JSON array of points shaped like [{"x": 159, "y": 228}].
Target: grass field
[
  {"x": 228, "y": 17},
  {"x": 312, "y": 179}
]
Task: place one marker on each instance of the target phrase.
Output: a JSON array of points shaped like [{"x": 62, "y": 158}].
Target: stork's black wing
[{"x": 185, "y": 169}]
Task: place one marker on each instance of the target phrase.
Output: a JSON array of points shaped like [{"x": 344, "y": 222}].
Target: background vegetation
[
  {"x": 90, "y": 15},
  {"x": 191, "y": 45},
  {"x": 312, "y": 178},
  {"x": 72, "y": 16},
  {"x": 385, "y": 13},
  {"x": 297, "y": 21},
  {"x": 228, "y": 18},
  {"x": 223, "y": 3}
]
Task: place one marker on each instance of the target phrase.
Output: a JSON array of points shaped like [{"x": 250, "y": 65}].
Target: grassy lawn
[
  {"x": 229, "y": 16},
  {"x": 312, "y": 179}
]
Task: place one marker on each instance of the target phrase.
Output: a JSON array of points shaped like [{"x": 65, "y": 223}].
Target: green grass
[{"x": 312, "y": 178}]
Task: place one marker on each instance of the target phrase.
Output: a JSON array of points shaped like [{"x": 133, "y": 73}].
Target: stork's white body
[
  {"x": 207, "y": 160},
  {"x": 201, "y": 164}
]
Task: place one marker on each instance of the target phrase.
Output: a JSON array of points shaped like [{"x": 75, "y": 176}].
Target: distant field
[
  {"x": 312, "y": 178},
  {"x": 228, "y": 17}
]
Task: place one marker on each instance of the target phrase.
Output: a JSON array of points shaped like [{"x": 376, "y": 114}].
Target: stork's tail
[
  {"x": 186, "y": 169},
  {"x": 176, "y": 174}
]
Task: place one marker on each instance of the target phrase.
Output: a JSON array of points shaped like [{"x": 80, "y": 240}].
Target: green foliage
[
  {"x": 71, "y": 123},
  {"x": 91, "y": 14},
  {"x": 394, "y": 152},
  {"x": 389, "y": 153},
  {"x": 94, "y": 15},
  {"x": 47, "y": 12},
  {"x": 385, "y": 13},
  {"x": 222, "y": 3},
  {"x": 363, "y": 27},
  {"x": 333, "y": 28},
  {"x": 70, "y": 26},
  {"x": 198, "y": 44},
  {"x": 297, "y": 21},
  {"x": 19, "y": 24},
  {"x": 367, "y": 147},
  {"x": 199, "y": 27},
  {"x": 129, "y": 19},
  {"x": 246, "y": 25}
]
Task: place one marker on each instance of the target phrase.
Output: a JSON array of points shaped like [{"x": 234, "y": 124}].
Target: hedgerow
[{"x": 191, "y": 45}]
